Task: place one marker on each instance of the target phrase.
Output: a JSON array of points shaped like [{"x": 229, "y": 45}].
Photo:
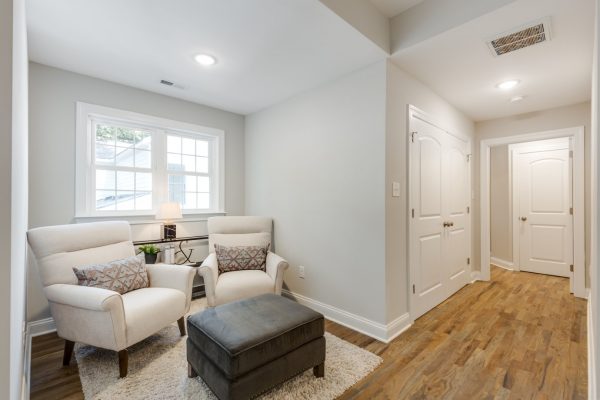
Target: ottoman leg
[
  {"x": 191, "y": 372},
  {"x": 319, "y": 370}
]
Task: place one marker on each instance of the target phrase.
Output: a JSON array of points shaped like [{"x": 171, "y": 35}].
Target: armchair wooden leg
[
  {"x": 123, "y": 363},
  {"x": 319, "y": 370},
  {"x": 181, "y": 324},
  {"x": 68, "y": 352},
  {"x": 191, "y": 372}
]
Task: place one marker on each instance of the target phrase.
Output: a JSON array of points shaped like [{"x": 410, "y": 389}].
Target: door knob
[{"x": 523, "y": 219}]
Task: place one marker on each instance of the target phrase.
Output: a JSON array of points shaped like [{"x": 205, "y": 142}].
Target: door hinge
[
  {"x": 571, "y": 268},
  {"x": 412, "y": 136},
  {"x": 413, "y": 212},
  {"x": 468, "y": 210},
  {"x": 413, "y": 289},
  {"x": 468, "y": 157},
  {"x": 571, "y": 210},
  {"x": 468, "y": 261}
]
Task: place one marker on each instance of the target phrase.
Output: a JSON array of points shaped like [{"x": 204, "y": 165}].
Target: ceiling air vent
[
  {"x": 532, "y": 33},
  {"x": 171, "y": 84}
]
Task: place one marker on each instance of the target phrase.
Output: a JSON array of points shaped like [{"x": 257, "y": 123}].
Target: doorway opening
[{"x": 537, "y": 221}]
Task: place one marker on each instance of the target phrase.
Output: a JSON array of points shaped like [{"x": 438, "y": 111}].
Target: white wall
[
  {"x": 500, "y": 203},
  {"x": 556, "y": 118},
  {"x": 403, "y": 90},
  {"x": 316, "y": 164},
  {"x": 53, "y": 94},
  {"x": 13, "y": 197}
]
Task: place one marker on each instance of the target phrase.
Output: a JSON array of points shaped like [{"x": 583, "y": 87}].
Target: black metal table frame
[{"x": 180, "y": 240}]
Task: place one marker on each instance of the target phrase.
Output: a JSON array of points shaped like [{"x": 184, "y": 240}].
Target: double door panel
[{"x": 439, "y": 229}]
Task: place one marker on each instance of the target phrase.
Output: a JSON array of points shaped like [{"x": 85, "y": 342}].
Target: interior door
[
  {"x": 546, "y": 223},
  {"x": 439, "y": 241}
]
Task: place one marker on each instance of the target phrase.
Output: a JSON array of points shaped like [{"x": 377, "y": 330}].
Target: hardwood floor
[{"x": 519, "y": 336}]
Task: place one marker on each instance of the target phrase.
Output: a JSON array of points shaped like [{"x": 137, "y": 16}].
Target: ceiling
[
  {"x": 459, "y": 66},
  {"x": 391, "y": 8},
  {"x": 267, "y": 50}
]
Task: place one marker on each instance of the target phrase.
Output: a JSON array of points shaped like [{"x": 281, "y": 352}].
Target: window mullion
[{"x": 160, "y": 190}]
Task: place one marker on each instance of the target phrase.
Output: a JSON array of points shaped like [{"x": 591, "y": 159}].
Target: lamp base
[{"x": 169, "y": 231}]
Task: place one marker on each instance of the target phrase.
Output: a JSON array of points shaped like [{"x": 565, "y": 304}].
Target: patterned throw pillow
[
  {"x": 241, "y": 258},
  {"x": 122, "y": 276}
]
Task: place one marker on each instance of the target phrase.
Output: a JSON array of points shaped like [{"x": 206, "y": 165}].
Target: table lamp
[{"x": 168, "y": 212}]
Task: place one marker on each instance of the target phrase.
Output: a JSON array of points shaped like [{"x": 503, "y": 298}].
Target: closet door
[{"x": 439, "y": 228}]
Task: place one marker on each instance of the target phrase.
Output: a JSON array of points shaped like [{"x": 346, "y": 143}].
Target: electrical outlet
[{"x": 301, "y": 271}]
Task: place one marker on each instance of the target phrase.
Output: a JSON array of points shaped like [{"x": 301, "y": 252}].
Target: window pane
[
  {"x": 203, "y": 201},
  {"x": 190, "y": 183},
  {"x": 105, "y": 179},
  {"x": 105, "y": 155},
  {"x": 174, "y": 162},
  {"x": 188, "y": 163},
  {"x": 125, "y": 200},
  {"x": 125, "y": 180},
  {"x": 143, "y": 159},
  {"x": 188, "y": 146},
  {"x": 143, "y": 200},
  {"x": 203, "y": 184},
  {"x": 143, "y": 181},
  {"x": 173, "y": 144},
  {"x": 202, "y": 148},
  {"x": 124, "y": 157},
  {"x": 143, "y": 140},
  {"x": 126, "y": 136},
  {"x": 105, "y": 134},
  {"x": 190, "y": 201},
  {"x": 202, "y": 164},
  {"x": 176, "y": 188},
  {"x": 105, "y": 200}
]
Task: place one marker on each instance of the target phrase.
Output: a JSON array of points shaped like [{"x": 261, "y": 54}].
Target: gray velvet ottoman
[{"x": 247, "y": 347}]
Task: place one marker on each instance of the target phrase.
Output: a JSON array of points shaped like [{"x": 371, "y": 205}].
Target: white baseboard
[
  {"x": 475, "y": 276},
  {"x": 498, "y": 262},
  {"x": 41, "y": 327},
  {"x": 26, "y": 365},
  {"x": 376, "y": 330},
  {"x": 592, "y": 393}
]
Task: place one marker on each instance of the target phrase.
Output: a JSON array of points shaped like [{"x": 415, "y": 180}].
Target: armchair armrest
[
  {"x": 210, "y": 272},
  {"x": 276, "y": 267},
  {"x": 180, "y": 277},
  {"x": 88, "y": 315}
]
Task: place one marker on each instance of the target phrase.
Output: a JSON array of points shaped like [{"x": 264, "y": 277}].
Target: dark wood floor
[{"x": 519, "y": 336}]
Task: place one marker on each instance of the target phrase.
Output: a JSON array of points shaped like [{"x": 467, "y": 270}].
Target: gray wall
[
  {"x": 13, "y": 197},
  {"x": 316, "y": 163},
  {"x": 53, "y": 94},
  {"x": 403, "y": 90},
  {"x": 556, "y": 118},
  {"x": 500, "y": 204}
]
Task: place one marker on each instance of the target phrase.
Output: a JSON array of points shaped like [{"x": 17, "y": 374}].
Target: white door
[
  {"x": 544, "y": 217},
  {"x": 439, "y": 224}
]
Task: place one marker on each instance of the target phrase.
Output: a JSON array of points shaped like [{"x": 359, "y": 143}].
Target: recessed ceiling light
[
  {"x": 205, "y": 60},
  {"x": 516, "y": 98},
  {"x": 506, "y": 85}
]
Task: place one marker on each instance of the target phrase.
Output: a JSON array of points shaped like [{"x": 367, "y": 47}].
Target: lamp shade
[{"x": 169, "y": 211}]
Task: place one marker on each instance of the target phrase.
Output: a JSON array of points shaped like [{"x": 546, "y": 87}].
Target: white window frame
[{"x": 85, "y": 196}]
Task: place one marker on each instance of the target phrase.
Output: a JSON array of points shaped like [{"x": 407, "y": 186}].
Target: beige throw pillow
[
  {"x": 239, "y": 258},
  {"x": 121, "y": 276}
]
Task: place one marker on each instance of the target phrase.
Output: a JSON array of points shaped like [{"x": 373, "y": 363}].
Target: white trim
[
  {"x": 27, "y": 365},
  {"x": 86, "y": 114},
  {"x": 591, "y": 345},
  {"x": 498, "y": 262},
  {"x": 475, "y": 276},
  {"x": 376, "y": 330},
  {"x": 577, "y": 133},
  {"x": 41, "y": 327}
]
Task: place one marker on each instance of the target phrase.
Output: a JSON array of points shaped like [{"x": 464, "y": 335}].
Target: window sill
[{"x": 148, "y": 218}]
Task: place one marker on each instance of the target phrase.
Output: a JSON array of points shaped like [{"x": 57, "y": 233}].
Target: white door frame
[
  {"x": 577, "y": 135},
  {"x": 413, "y": 111}
]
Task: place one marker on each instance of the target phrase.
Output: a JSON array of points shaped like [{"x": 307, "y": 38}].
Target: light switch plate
[{"x": 395, "y": 189}]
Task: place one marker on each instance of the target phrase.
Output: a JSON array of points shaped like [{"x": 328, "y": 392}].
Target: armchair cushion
[
  {"x": 237, "y": 285},
  {"x": 238, "y": 239},
  {"x": 150, "y": 309},
  {"x": 239, "y": 258},
  {"x": 121, "y": 276}
]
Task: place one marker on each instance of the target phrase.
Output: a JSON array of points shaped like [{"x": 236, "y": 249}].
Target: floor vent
[{"x": 534, "y": 33}]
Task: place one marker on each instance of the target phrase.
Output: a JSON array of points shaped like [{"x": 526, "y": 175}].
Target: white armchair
[
  {"x": 231, "y": 286},
  {"x": 101, "y": 317}
]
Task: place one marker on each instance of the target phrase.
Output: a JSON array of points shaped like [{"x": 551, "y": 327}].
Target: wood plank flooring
[{"x": 519, "y": 336}]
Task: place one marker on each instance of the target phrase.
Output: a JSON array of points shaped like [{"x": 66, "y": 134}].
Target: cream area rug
[{"x": 158, "y": 370}]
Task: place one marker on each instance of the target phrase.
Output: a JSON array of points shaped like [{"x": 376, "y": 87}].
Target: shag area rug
[{"x": 158, "y": 370}]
